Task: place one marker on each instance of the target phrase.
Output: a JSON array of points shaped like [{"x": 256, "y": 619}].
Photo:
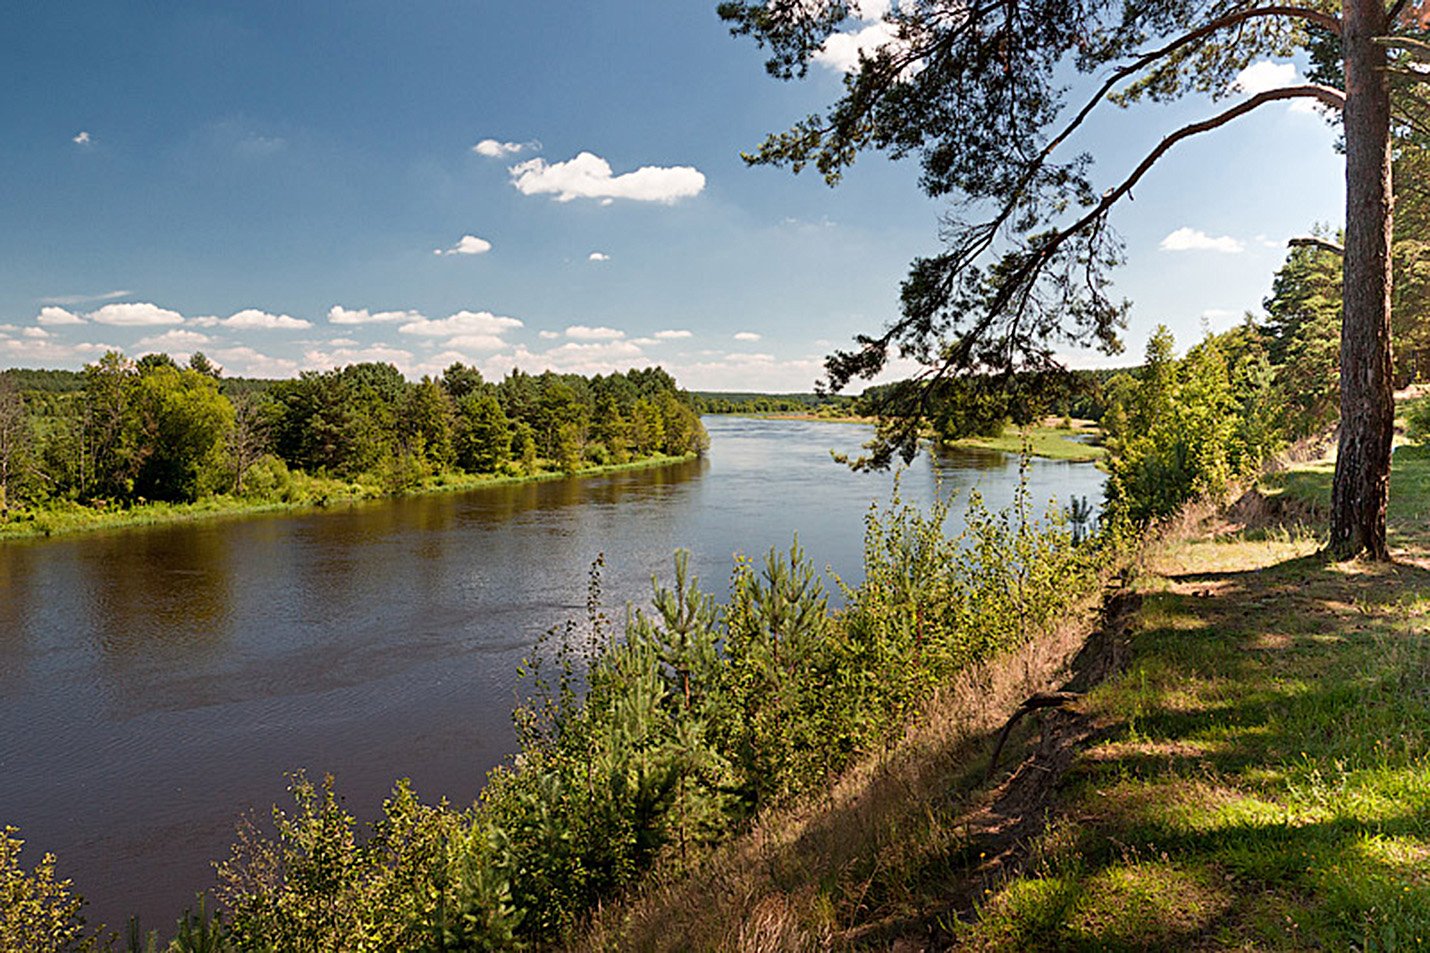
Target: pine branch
[{"x": 1311, "y": 241}]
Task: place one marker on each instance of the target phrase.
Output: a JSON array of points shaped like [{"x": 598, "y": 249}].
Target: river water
[{"x": 156, "y": 683}]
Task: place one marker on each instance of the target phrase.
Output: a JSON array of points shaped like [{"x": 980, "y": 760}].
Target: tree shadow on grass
[{"x": 1256, "y": 776}]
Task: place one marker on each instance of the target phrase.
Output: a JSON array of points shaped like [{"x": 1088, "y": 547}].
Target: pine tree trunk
[{"x": 1362, "y": 481}]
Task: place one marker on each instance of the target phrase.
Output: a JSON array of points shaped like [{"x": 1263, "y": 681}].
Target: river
[{"x": 156, "y": 683}]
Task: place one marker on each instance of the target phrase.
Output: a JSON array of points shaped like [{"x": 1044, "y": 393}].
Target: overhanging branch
[
  {"x": 1312, "y": 241},
  {"x": 1029, "y": 269}
]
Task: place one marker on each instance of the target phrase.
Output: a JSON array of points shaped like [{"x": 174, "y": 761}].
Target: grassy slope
[
  {"x": 1257, "y": 777},
  {"x": 70, "y": 518},
  {"x": 1055, "y": 443},
  {"x": 1261, "y": 777}
]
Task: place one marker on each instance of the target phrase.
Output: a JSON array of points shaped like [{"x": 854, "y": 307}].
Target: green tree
[
  {"x": 568, "y": 448},
  {"x": 484, "y": 434},
  {"x": 426, "y": 426},
  {"x": 524, "y": 442},
  {"x": 978, "y": 93},
  {"x": 459, "y": 380},
  {"x": 647, "y": 428},
  {"x": 16, "y": 444},
  {"x": 110, "y": 453},
  {"x": 183, "y": 421},
  {"x": 610, "y": 428},
  {"x": 1303, "y": 324}
]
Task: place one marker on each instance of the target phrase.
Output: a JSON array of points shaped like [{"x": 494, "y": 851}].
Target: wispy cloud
[
  {"x": 82, "y": 138},
  {"x": 588, "y": 176},
  {"x": 1192, "y": 239},
  {"x": 747, "y": 336},
  {"x": 84, "y": 299}
]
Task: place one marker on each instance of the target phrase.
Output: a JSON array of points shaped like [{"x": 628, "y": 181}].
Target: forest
[{"x": 123, "y": 433}]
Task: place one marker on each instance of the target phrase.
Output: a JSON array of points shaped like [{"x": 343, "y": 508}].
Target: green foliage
[
  {"x": 423, "y": 879},
  {"x": 1186, "y": 428},
  {"x": 38, "y": 913},
  {"x": 127, "y": 433},
  {"x": 183, "y": 422},
  {"x": 484, "y": 434}
]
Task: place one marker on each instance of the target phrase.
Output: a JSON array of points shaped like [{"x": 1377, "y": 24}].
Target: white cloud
[
  {"x": 1265, "y": 75},
  {"x": 342, "y": 342},
  {"x": 589, "y": 176},
  {"x": 644, "y": 342},
  {"x": 477, "y": 342},
  {"x": 493, "y": 149},
  {"x": 549, "y": 335},
  {"x": 337, "y": 314},
  {"x": 466, "y": 245},
  {"x": 753, "y": 372},
  {"x": 581, "y": 332},
  {"x": 1192, "y": 239},
  {"x": 747, "y": 336},
  {"x": 48, "y": 351},
  {"x": 135, "y": 314},
  {"x": 35, "y": 333},
  {"x": 840, "y": 51},
  {"x": 246, "y": 362},
  {"x": 56, "y": 316},
  {"x": 381, "y": 353},
  {"x": 467, "y": 323},
  {"x": 595, "y": 357},
  {"x": 82, "y": 138},
  {"x": 672, "y": 335},
  {"x": 598, "y": 256},
  {"x": 251, "y": 318},
  {"x": 177, "y": 338}
]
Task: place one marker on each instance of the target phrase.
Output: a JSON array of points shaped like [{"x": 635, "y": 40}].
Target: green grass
[
  {"x": 311, "y": 493},
  {"x": 1054, "y": 443},
  {"x": 1262, "y": 774}
]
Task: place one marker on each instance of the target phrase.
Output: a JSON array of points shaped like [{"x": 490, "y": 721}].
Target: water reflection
[{"x": 157, "y": 682}]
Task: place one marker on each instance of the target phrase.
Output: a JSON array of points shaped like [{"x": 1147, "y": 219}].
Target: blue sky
[{"x": 271, "y": 183}]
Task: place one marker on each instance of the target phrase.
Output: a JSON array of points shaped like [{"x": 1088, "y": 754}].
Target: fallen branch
[{"x": 1042, "y": 700}]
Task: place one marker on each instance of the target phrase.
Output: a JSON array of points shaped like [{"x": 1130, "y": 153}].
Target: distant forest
[{"x": 123, "y": 431}]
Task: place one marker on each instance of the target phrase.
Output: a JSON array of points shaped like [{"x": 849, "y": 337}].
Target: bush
[{"x": 38, "y": 914}]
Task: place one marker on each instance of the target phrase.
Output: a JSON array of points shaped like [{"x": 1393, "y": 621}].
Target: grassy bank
[
  {"x": 309, "y": 493},
  {"x": 1051, "y": 440},
  {"x": 1055, "y": 442}
]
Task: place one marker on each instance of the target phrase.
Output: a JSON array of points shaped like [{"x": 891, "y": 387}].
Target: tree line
[{"x": 125, "y": 432}]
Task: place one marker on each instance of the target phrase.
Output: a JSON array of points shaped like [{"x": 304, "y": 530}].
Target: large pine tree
[{"x": 972, "y": 87}]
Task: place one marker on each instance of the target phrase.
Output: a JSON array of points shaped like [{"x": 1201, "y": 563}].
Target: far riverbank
[{"x": 68, "y": 518}]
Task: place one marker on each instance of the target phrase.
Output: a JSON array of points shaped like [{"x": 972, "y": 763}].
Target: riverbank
[
  {"x": 311, "y": 494},
  {"x": 1053, "y": 441},
  {"x": 1255, "y": 773}
]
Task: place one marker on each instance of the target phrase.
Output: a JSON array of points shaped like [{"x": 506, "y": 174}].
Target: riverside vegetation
[
  {"x": 645, "y": 744},
  {"x": 145, "y": 441}
]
